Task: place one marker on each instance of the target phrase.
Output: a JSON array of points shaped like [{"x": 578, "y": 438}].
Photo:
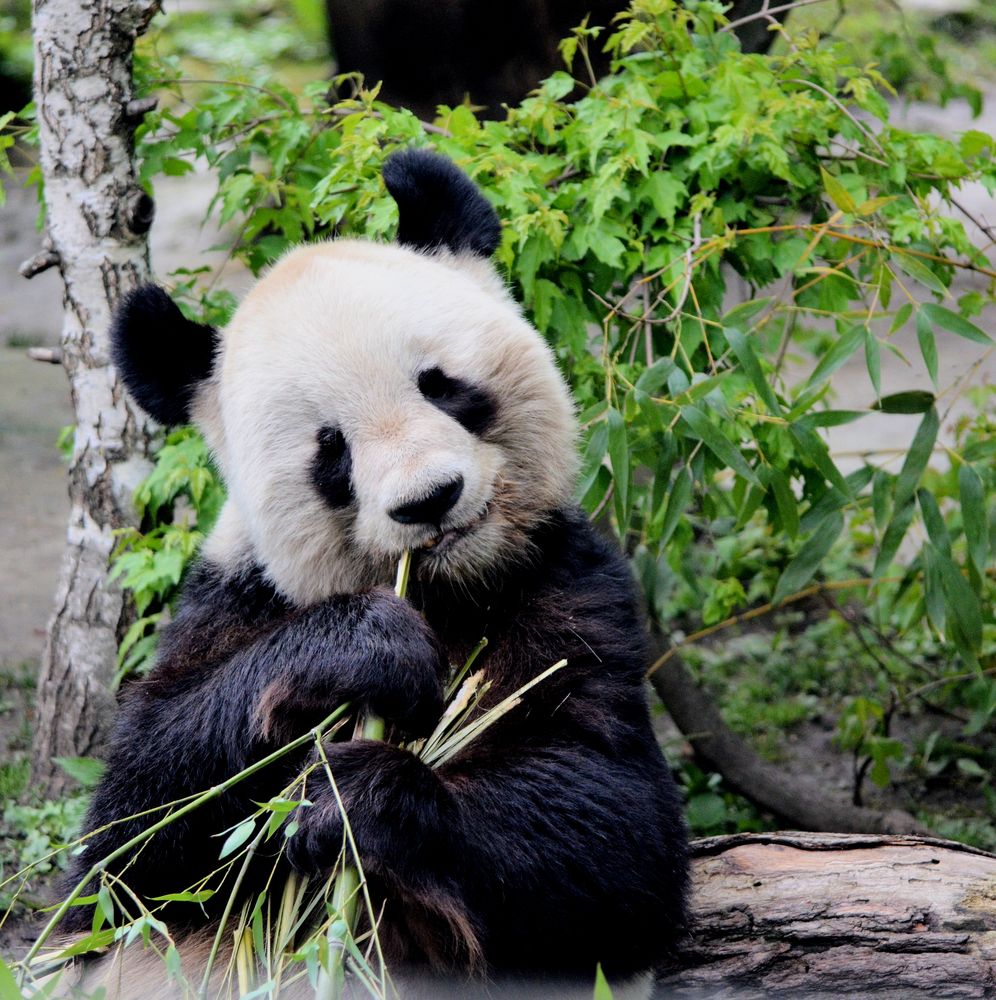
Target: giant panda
[{"x": 368, "y": 399}]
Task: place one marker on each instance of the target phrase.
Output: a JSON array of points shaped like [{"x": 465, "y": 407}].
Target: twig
[
  {"x": 746, "y": 616},
  {"x": 766, "y": 13},
  {"x": 341, "y": 112}
]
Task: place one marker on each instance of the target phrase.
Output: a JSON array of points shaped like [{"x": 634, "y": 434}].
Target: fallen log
[{"x": 791, "y": 915}]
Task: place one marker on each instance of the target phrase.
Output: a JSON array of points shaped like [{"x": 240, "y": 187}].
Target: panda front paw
[
  {"x": 400, "y": 815},
  {"x": 401, "y": 666},
  {"x": 373, "y": 650}
]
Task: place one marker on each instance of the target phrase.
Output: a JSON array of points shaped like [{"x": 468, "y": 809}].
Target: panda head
[{"x": 367, "y": 398}]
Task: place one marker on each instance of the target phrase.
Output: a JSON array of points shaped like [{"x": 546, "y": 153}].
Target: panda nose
[{"x": 432, "y": 508}]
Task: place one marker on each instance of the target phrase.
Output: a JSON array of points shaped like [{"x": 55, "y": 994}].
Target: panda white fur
[{"x": 365, "y": 400}]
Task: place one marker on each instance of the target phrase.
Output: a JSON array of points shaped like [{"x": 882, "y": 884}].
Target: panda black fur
[{"x": 367, "y": 399}]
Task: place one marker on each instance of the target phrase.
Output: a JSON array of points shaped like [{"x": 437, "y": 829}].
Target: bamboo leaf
[
  {"x": 237, "y": 837},
  {"x": 881, "y": 496},
  {"x": 961, "y": 603},
  {"x": 914, "y": 401},
  {"x": 894, "y": 534},
  {"x": 602, "y": 989},
  {"x": 917, "y": 457},
  {"x": 785, "y": 501},
  {"x": 654, "y": 378},
  {"x": 873, "y": 361},
  {"x": 677, "y": 503},
  {"x": 937, "y": 530},
  {"x": 185, "y": 897},
  {"x": 933, "y": 590},
  {"x": 902, "y": 315},
  {"x": 591, "y": 461},
  {"x": 917, "y": 269},
  {"x": 839, "y": 194},
  {"x": 973, "y": 516},
  {"x": 814, "y": 448},
  {"x": 703, "y": 429},
  {"x": 839, "y": 352},
  {"x": 10, "y": 991},
  {"x": 744, "y": 351},
  {"x": 953, "y": 323},
  {"x": 807, "y": 560},
  {"x": 619, "y": 460},
  {"x": 928, "y": 346}
]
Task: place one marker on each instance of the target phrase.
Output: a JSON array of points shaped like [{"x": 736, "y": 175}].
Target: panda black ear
[
  {"x": 439, "y": 205},
  {"x": 160, "y": 354}
]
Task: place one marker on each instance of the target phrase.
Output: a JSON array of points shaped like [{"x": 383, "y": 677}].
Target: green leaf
[
  {"x": 894, "y": 534},
  {"x": 830, "y": 418},
  {"x": 928, "y": 346},
  {"x": 9, "y": 989},
  {"x": 742, "y": 314},
  {"x": 873, "y": 361},
  {"x": 237, "y": 837},
  {"x": 839, "y": 194},
  {"x": 902, "y": 315},
  {"x": 839, "y": 352},
  {"x": 937, "y": 530},
  {"x": 933, "y": 590},
  {"x": 677, "y": 504},
  {"x": 807, "y": 560},
  {"x": 654, "y": 378},
  {"x": 814, "y": 448},
  {"x": 186, "y": 897},
  {"x": 962, "y": 605},
  {"x": 913, "y": 401},
  {"x": 744, "y": 351},
  {"x": 917, "y": 457},
  {"x": 86, "y": 770},
  {"x": 916, "y": 268},
  {"x": 704, "y": 430},
  {"x": 591, "y": 461},
  {"x": 953, "y": 323},
  {"x": 105, "y": 904},
  {"x": 881, "y": 496},
  {"x": 665, "y": 192},
  {"x": 785, "y": 501},
  {"x": 618, "y": 448},
  {"x": 973, "y": 516},
  {"x": 602, "y": 989}
]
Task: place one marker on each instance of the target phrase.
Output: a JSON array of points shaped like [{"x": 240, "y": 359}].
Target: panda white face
[{"x": 369, "y": 399}]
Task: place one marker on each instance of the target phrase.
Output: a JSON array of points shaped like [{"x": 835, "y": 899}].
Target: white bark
[{"x": 96, "y": 223}]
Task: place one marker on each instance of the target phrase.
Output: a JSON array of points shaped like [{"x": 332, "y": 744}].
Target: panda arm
[
  {"x": 559, "y": 829},
  {"x": 240, "y": 673}
]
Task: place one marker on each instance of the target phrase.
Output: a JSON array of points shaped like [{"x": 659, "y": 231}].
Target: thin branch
[{"x": 766, "y": 14}]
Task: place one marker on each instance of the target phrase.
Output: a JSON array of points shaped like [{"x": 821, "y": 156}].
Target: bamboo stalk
[
  {"x": 212, "y": 793},
  {"x": 347, "y": 883}
]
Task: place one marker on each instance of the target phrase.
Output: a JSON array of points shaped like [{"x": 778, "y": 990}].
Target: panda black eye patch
[
  {"x": 470, "y": 406},
  {"x": 331, "y": 468}
]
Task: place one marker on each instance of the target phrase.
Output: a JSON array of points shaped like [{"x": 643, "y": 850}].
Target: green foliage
[
  {"x": 180, "y": 500},
  {"x": 635, "y": 211},
  {"x": 627, "y": 207}
]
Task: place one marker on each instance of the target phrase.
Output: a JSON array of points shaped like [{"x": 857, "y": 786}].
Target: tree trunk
[
  {"x": 790, "y": 915},
  {"x": 97, "y": 218}
]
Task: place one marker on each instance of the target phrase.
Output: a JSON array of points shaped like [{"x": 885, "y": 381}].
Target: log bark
[
  {"x": 97, "y": 219},
  {"x": 790, "y": 915}
]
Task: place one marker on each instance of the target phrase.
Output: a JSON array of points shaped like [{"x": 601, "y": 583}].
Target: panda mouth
[{"x": 445, "y": 540}]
